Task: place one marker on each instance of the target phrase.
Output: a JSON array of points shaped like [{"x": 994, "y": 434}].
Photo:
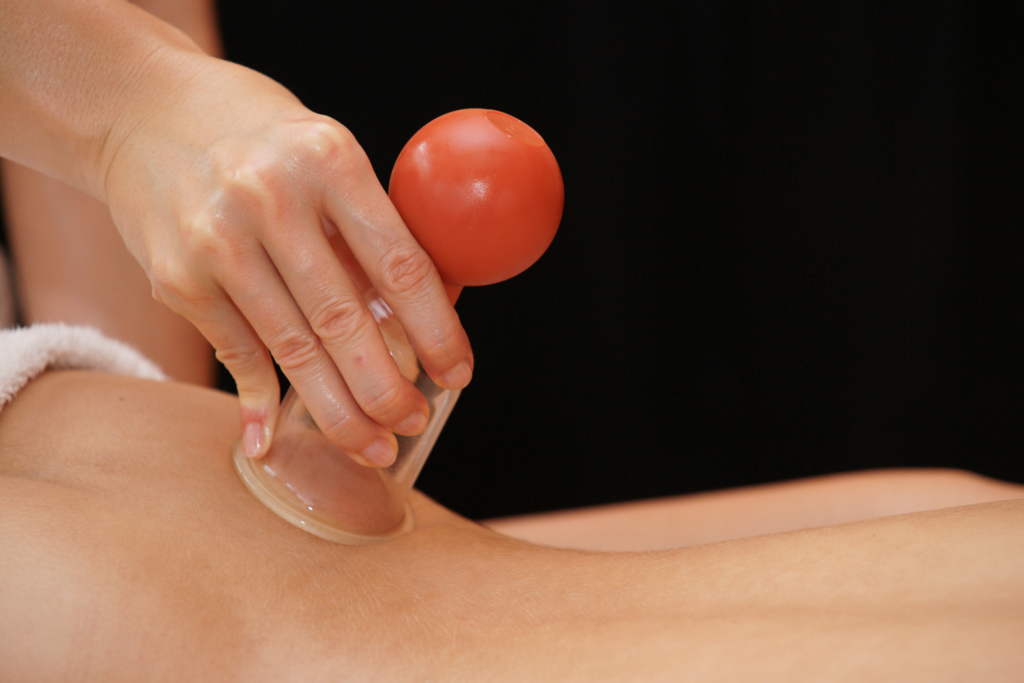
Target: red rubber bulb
[{"x": 481, "y": 192}]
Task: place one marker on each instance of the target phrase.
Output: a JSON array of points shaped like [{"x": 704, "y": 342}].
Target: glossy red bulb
[{"x": 482, "y": 193}]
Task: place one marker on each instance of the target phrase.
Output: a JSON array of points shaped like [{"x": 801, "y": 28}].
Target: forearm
[
  {"x": 72, "y": 264},
  {"x": 75, "y": 76}
]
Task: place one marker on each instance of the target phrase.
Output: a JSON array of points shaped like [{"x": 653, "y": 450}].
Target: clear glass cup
[{"x": 307, "y": 481}]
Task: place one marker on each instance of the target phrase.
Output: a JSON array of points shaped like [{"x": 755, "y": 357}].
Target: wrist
[
  {"x": 72, "y": 74},
  {"x": 158, "y": 64}
]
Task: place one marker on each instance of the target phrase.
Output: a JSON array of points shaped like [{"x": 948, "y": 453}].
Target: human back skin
[{"x": 129, "y": 550}]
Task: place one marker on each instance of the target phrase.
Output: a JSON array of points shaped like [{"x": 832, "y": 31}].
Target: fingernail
[
  {"x": 253, "y": 439},
  {"x": 380, "y": 453},
  {"x": 415, "y": 423},
  {"x": 458, "y": 377}
]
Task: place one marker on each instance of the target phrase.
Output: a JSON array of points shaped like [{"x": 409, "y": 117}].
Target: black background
[
  {"x": 791, "y": 240},
  {"x": 790, "y": 246}
]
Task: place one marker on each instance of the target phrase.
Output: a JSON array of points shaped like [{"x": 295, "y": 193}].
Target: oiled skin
[
  {"x": 72, "y": 265},
  {"x": 130, "y": 551},
  {"x": 226, "y": 189}
]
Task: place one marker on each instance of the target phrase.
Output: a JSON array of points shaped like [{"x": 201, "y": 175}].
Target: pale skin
[
  {"x": 72, "y": 265},
  {"x": 226, "y": 190},
  {"x": 129, "y": 550}
]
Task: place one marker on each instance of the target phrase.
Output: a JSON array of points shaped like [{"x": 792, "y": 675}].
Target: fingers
[
  {"x": 338, "y": 317},
  {"x": 263, "y": 279},
  {"x": 267, "y": 305},
  {"x": 241, "y": 351},
  {"x": 252, "y": 315},
  {"x": 408, "y": 280},
  {"x": 402, "y": 273}
]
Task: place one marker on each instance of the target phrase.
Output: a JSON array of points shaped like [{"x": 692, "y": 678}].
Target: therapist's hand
[{"x": 228, "y": 190}]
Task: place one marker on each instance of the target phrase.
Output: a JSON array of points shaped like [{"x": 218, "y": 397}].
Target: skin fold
[{"x": 129, "y": 548}]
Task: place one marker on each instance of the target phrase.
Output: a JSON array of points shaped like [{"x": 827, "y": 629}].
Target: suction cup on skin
[
  {"x": 483, "y": 194},
  {"x": 308, "y": 482}
]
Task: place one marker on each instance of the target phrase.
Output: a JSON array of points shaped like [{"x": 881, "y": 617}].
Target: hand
[{"x": 229, "y": 192}]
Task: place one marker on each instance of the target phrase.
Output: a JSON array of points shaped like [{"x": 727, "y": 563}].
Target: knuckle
[
  {"x": 437, "y": 346},
  {"x": 249, "y": 186},
  {"x": 216, "y": 245},
  {"x": 325, "y": 139},
  {"x": 443, "y": 351},
  {"x": 242, "y": 361},
  {"x": 208, "y": 238},
  {"x": 296, "y": 350},
  {"x": 337, "y": 426},
  {"x": 324, "y": 146},
  {"x": 172, "y": 284},
  {"x": 404, "y": 270},
  {"x": 448, "y": 344},
  {"x": 251, "y": 190},
  {"x": 339, "y": 320},
  {"x": 383, "y": 403}
]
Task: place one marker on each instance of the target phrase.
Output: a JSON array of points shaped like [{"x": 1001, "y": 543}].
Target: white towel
[{"x": 28, "y": 351}]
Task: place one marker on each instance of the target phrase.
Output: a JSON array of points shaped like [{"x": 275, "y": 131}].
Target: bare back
[{"x": 129, "y": 550}]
